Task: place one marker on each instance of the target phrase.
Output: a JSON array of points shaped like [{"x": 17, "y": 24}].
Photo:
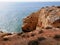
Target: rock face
[
  {"x": 36, "y": 37},
  {"x": 30, "y": 22},
  {"x": 49, "y": 17},
  {"x": 46, "y": 26},
  {"x": 46, "y": 17}
]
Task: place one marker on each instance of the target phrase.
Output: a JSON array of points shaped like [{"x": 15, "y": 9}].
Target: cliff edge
[
  {"x": 45, "y": 17},
  {"x": 39, "y": 28}
]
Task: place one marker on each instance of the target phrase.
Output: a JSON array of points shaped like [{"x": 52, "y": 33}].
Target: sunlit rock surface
[
  {"x": 39, "y": 28},
  {"x": 45, "y": 17}
]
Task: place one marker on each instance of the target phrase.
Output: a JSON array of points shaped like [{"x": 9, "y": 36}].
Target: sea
[{"x": 12, "y": 14}]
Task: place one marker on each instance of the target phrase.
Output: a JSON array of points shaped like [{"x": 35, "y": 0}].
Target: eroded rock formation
[
  {"x": 45, "y": 17},
  {"x": 49, "y": 17},
  {"x": 46, "y": 26},
  {"x": 30, "y": 22}
]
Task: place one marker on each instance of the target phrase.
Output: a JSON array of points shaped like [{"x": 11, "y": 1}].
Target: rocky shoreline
[{"x": 39, "y": 28}]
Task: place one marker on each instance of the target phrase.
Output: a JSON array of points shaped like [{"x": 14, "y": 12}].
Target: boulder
[{"x": 30, "y": 22}]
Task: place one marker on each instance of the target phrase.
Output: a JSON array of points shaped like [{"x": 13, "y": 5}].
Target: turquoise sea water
[{"x": 12, "y": 13}]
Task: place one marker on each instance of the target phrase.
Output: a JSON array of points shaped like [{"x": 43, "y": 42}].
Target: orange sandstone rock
[{"x": 45, "y": 17}]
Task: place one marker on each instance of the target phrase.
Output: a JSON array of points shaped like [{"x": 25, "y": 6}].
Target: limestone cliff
[
  {"x": 30, "y": 22},
  {"x": 45, "y": 17},
  {"x": 39, "y": 28}
]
